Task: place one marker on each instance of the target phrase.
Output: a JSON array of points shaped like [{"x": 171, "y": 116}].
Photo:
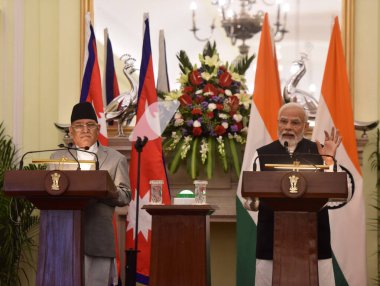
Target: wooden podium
[
  {"x": 296, "y": 198},
  {"x": 180, "y": 250},
  {"x": 61, "y": 196}
]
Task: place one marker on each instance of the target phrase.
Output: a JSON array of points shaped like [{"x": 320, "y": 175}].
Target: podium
[
  {"x": 180, "y": 249},
  {"x": 61, "y": 196},
  {"x": 295, "y": 197}
]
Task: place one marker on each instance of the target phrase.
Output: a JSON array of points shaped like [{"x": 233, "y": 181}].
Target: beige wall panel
[
  {"x": 32, "y": 74},
  {"x": 69, "y": 79},
  {"x": 366, "y": 55},
  {"x": 6, "y": 66},
  {"x": 366, "y": 109}
]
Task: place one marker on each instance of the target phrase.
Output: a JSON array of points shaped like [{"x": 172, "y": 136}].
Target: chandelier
[{"x": 243, "y": 25}]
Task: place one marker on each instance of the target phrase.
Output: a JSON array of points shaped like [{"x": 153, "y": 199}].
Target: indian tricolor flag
[
  {"x": 347, "y": 223},
  {"x": 262, "y": 130}
]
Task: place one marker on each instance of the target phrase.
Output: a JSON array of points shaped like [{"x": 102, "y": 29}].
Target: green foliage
[
  {"x": 374, "y": 159},
  {"x": 243, "y": 63},
  {"x": 184, "y": 62},
  {"x": 209, "y": 49},
  {"x": 16, "y": 222}
]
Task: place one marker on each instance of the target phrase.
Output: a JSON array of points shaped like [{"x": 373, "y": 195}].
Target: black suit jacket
[{"x": 268, "y": 154}]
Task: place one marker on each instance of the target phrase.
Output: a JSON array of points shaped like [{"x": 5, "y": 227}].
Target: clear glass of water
[
  {"x": 156, "y": 191},
  {"x": 200, "y": 192}
]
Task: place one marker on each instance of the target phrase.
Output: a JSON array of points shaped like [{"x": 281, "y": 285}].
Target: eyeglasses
[
  {"x": 293, "y": 123},
  {"x": 80, "y": 127}
]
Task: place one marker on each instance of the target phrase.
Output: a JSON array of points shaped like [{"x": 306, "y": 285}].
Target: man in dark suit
[
  {"x": 99, "y": 244},
  {"x": 292, "y": 123}
]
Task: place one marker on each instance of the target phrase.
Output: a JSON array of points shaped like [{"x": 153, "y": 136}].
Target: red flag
[
  {"x": 92, "y": 92},
  {"x": 152, "y": 166},
  {"x": 91, "y": 82}
]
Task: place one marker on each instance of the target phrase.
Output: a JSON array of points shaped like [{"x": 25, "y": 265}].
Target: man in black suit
[{"x": 292, "y": 123}]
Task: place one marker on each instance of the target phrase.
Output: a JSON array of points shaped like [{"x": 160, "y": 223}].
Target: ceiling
[{"x": 309, "y": 23}]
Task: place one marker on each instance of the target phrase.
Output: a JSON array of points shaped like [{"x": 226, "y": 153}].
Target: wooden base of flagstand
[{"x": 180, "y": 252}]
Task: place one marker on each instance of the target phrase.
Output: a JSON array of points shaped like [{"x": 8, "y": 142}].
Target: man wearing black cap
[{"x": 99, "y": 237}]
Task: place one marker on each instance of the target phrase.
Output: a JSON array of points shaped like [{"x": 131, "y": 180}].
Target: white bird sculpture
[{"x": 123, "y": 107}]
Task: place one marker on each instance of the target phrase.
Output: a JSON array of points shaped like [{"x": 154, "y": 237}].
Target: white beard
[{"x": 292, "y": 142}]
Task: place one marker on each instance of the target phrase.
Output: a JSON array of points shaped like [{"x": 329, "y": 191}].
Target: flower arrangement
[{"x": 212, "y": 116}]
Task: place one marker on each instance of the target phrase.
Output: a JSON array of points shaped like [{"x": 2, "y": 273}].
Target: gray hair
[{"x": 293, "y": 105}]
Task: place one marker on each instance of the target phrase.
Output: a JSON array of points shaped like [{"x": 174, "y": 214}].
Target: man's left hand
[{"x": 331, "y": 144}]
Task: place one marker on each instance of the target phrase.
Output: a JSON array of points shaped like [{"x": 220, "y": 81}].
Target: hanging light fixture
[{"x": 243, "y": 25}]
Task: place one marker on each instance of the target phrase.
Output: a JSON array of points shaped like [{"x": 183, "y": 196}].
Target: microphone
[
  {"x": 140, "y": 143},
  {"x": 21, "y": 165},
  {"x": 70, "y": 147},
  {"x": 286, "y": 145},
  {"x": 71, "y": 154}
]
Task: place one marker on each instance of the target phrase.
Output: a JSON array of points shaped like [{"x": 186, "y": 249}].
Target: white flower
[
  {"x": 204, "y": 150},
  {"x": 185, "y": 147},
  {"x": 223, "y": 115},
  {"x": 235, "y": 76},
  {"x": 221, "y": 149},
  {"x": 228, "y": 92},
  {"x": 244, "y": 130},
  {"x": 211, "y": 61},
  {"x": 183, "y": 79},
  {"x": 211, "y": 106},
  {"x": 178, "y": 122},
  {"x": 176, "y": 137},
  {"x": 177, "y": 115},
  {"x": 196, "y": 123},
  {"x": 244, "y": 99},
  {"x": 225, "y": 125},
  {"x": 174, "y": 95},
  {"x": 237, "y": 117},
  {"x": 199, "y": 91},
  {"x": 206, "y": 76}
]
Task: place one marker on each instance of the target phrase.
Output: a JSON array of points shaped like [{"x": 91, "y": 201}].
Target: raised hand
[{"x": 329, "y": 147}]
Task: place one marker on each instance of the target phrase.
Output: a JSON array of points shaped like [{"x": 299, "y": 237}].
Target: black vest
[{"x": 264, "y": 244}]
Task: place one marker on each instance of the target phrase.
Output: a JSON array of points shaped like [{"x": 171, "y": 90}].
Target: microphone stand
[{"x": 131, "y": 264}]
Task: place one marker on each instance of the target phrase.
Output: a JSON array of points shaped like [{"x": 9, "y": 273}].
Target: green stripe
[
  {"x": 246, "y": 246},
  {"x": 340, "y": 280}
]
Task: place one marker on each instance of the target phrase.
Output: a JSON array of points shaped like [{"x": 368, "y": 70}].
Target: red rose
[
  {"x": 188, "y": 89},
  {"x": 195, "y": 78},
  {"x": 225, "y": 79},
  {"x": 223, "y": 68},
  {"x": 199, "y": 99},
  {"x": 210, "y": 114},
  {"x": 233, "y": 103},
  {"x": 210, "y": 88},
  {"x": 197, "y": 131},
  {"x": 196, "y": 111},
  {"x": 185, "y": 99},
  {"x": 239, "y": 125},
  {"x": 219, "y": 106},
  {"x": 219, "y": 130}
]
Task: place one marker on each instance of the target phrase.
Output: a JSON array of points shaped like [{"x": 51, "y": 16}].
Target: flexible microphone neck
[
  {"x": 85, "y": 149},
  {"x": 320, "y": 155},
  {"x": 21, "y": 164}
]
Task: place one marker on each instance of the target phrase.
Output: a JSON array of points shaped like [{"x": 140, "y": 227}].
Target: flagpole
[{"x": 131, "y": 263}]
